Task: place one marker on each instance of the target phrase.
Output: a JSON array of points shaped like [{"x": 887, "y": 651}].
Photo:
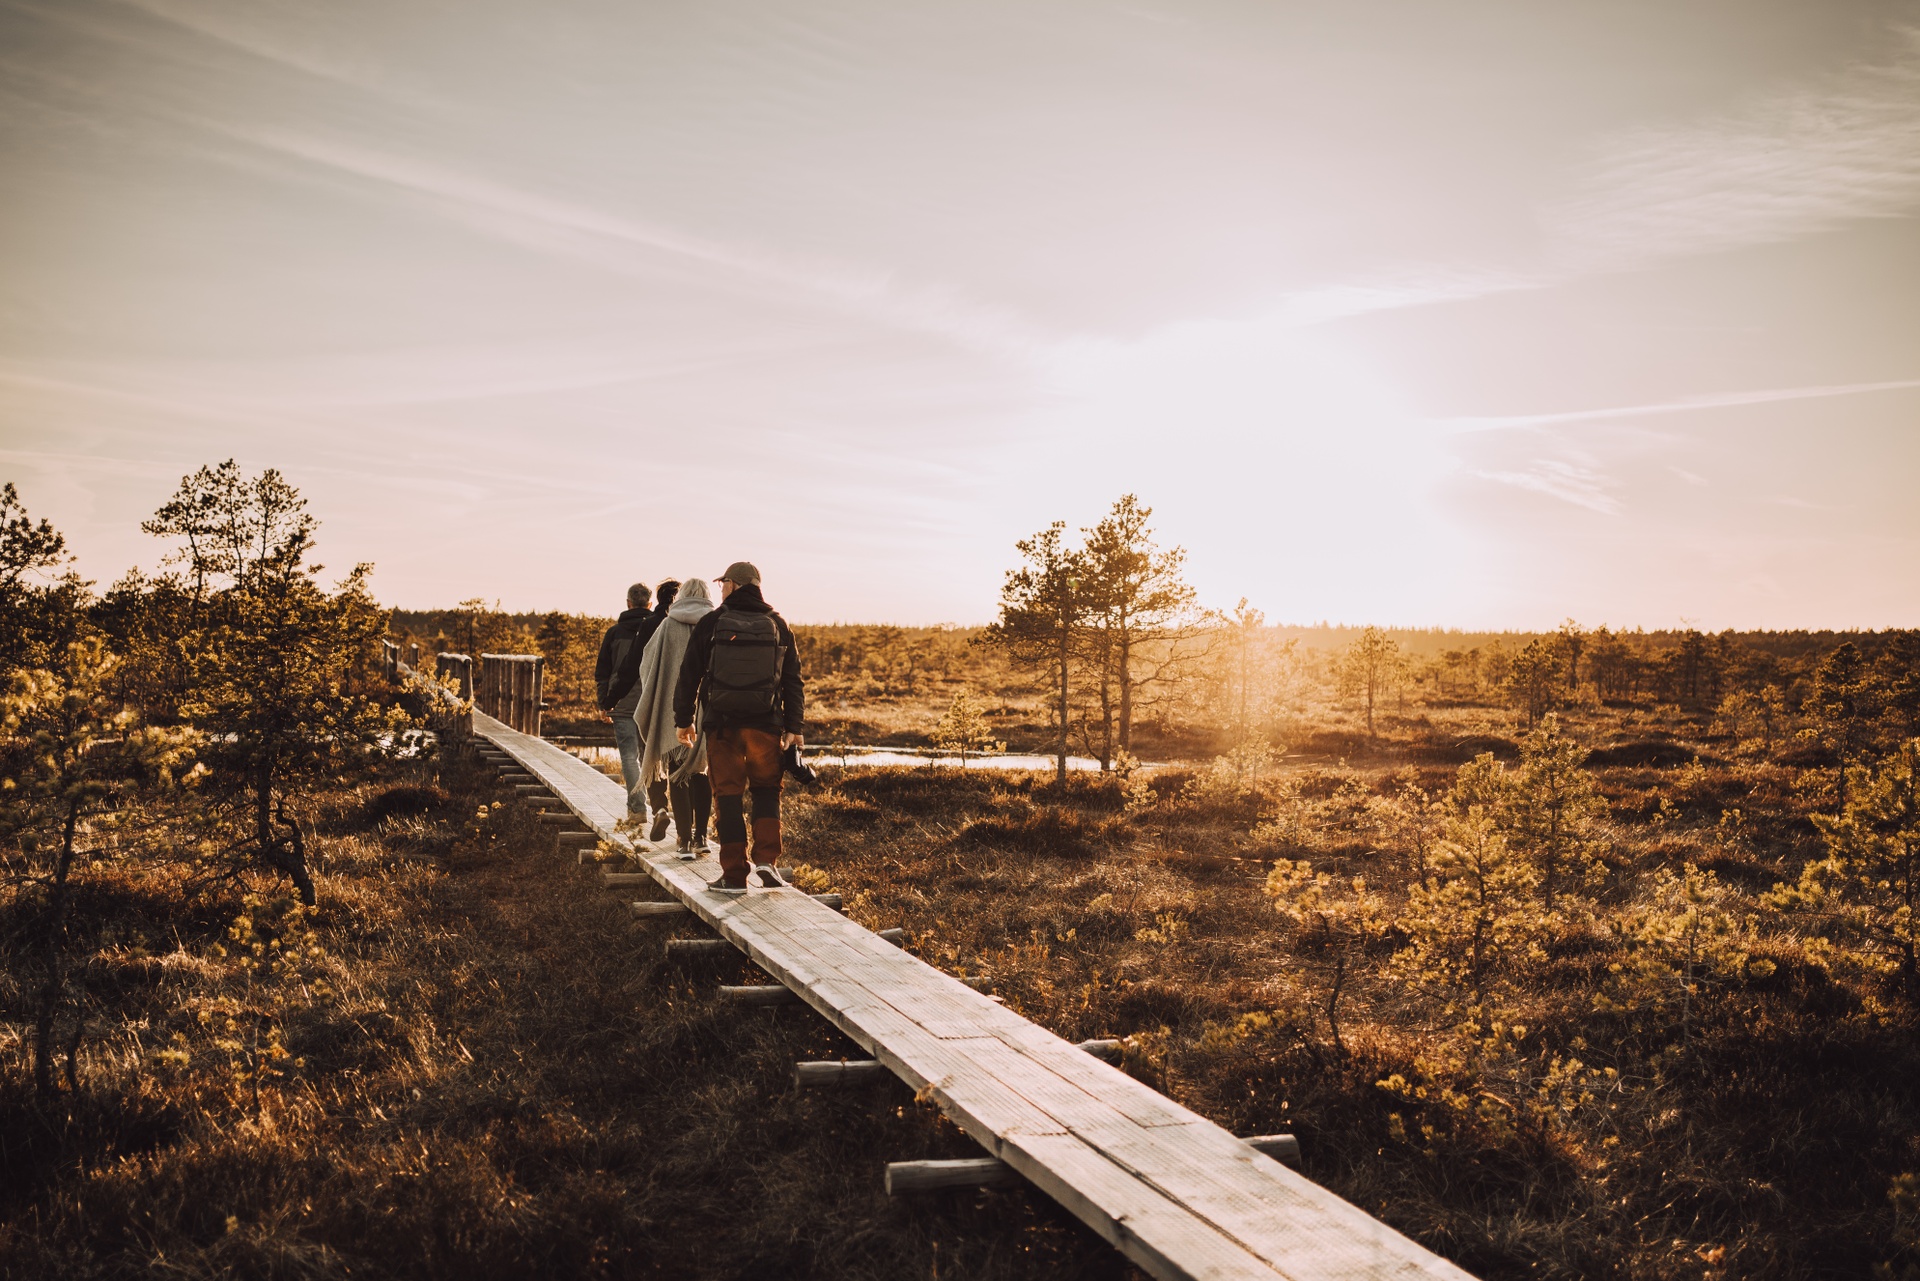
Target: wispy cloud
[
  {"x": 260, "y": 40},
  {"x": 1570, "y": 482},
  {"x": 533, "y": 220},
  {"x": 1682, "y": 405},
  {"x": 1801, "y": 160},
  {"x": 1394, "y": 288},
  {"x": 1784, "y": 166}
]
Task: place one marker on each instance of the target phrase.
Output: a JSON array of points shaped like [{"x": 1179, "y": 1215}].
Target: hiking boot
[
  {"x": 770, "y": 876},
  {"x": 721, "y": 886},
  {"x": 660, "y": 820}
]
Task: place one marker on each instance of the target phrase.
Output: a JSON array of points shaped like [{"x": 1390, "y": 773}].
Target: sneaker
[
  {"x": 770, "y": 876},
  {"x": 720, "y": 886},
  {"x": 660, "y": 822},
  {"x": 685, "y": 851}
]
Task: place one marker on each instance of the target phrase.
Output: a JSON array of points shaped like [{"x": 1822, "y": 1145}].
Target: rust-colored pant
[{"x": 740, "y": 760}]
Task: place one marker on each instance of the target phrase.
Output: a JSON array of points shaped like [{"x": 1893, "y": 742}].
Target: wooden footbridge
[{"x": 1175, "y": 1193}]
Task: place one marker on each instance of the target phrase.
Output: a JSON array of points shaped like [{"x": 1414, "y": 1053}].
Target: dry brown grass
[
  {"x": 1762, "y": 1142},
  {"x": 512, "y": 1081}
]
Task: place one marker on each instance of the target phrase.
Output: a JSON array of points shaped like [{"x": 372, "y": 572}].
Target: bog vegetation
[{"x": 1573, "y": 954}]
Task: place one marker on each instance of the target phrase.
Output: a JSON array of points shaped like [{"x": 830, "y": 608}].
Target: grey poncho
[{"x": 659, "y": 671}]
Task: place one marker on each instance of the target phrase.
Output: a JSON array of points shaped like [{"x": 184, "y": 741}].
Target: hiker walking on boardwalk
[
  {"x": 689, "y": 792},
  {"x": 741, "y": 676},
  {"x": 616, "y": 682}
]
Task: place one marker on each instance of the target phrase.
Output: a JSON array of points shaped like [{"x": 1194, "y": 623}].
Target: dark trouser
[
  {"x": 742, "y": 760},
  {"x": 692, "y": 800}
]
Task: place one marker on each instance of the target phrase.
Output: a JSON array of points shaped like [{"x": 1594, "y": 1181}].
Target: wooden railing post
[
  {"x": 511, "y": 688},
  {"x": 457, "y": 668}
]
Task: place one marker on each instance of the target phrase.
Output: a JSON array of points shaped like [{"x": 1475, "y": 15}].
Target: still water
[{"x": 888, "y": 756}]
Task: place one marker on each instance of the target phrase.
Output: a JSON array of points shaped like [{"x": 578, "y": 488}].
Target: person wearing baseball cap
[{"x": 741, "y": 678}]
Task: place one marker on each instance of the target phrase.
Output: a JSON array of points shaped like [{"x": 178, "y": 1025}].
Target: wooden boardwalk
[{"x": 1175, "y": 1193}]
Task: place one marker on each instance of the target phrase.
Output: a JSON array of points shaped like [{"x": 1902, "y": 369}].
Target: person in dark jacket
[
  {"x": 743, "y": 747},
  {"x": 616, "y": 682}
]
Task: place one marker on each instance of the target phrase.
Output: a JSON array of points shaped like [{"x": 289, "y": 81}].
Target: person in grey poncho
[{"x": 689, "y": 792}]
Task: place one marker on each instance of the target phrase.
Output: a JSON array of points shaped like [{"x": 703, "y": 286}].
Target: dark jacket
[
  {"x": 616, "y": 673},
  {"x": 789, "y": 718}
]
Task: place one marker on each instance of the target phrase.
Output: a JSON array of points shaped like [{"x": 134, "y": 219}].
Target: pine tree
[
  {"x": 1337, "y": 919},
  {"x": 73, "y": 751},
  {"x": 1868, "y": 885},
  {"x": 1843, "y": 706},
  {"x": 1532, "y": 679},
  {"x": 1140, "y": 609},
  {"x": 1551, "y": 810},
  {"x": 1476, "y": 920},
  {"x": 1043, "y": 618},
  {"x": 1368, "y": 668},
  {"x": 964, "y": 729},
  {"x": 37, "y": 620},
  {"x": 1682, "y": 935},
  {"x": 279, "y": 668}
]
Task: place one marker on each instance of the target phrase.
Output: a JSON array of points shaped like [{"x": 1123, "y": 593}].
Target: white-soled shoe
[{"x": 769, "y": 876}]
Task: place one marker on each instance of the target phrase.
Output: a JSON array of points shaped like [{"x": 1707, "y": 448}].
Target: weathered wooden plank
[{"x": 974, "y": 1172}]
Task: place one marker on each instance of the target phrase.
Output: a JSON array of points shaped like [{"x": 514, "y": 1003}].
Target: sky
[{"x": 1479, "y": 314}]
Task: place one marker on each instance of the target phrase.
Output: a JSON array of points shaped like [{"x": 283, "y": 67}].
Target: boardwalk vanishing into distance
[{"x": 1175, "y": 1193}]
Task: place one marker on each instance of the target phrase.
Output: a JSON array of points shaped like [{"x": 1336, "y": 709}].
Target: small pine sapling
[
  {"x": 1551, "y": 813},
  {"x": 73, "y": 755},
  {"x": 1337, "y": 919},
  {"x": 1682, "y": 936},
  {"x": 964, "y": 729},
  {"x": 1477, "y": 920},
  {"x": 1867, "y": 888}
]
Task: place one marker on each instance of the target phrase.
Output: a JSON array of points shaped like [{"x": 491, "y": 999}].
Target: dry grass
[
  {"x": 1761, "y": 1142},
  {"x": 511, "y": 1081}
]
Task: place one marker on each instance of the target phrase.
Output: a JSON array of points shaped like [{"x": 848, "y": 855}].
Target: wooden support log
[
  {"x": 832, "y": 1075},
  {"x": 827, "y": 900},
  {"x": 660, "y": 909},
  {"x": 578, "y": 840},
  {"x": 558, "y": 817},
  {"x": 1108, "y": 1050},
  {"x": 531, "y": 789},
  {"x": 762, "y": 994},
  {"x": 1284, "y": 1148},
  {"x": 692, "y": 949},
  {"x": 926, "y": 1176},
  {"x": 896, "y": 935},
  {"x": 979, "y": 983}
]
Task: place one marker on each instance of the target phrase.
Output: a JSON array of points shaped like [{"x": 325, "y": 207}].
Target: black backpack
[{"x": 743, "y": 674}]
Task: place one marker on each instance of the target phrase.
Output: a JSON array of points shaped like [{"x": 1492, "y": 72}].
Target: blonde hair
[{"x": 695, "y": 589}]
